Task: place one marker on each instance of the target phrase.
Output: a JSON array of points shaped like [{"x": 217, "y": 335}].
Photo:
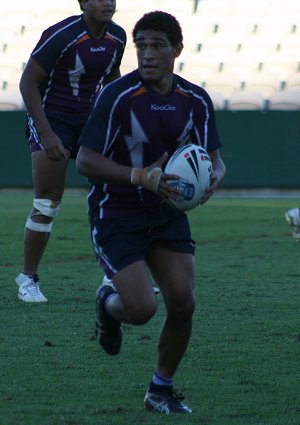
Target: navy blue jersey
[
  {"x": 134, "y": 125},
  {"x": 76, "y": 64}
]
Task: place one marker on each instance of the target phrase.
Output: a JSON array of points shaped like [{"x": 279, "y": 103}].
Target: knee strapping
[
  {"x": 38, "y": 227},
  {"x": 44, "y": 207}
]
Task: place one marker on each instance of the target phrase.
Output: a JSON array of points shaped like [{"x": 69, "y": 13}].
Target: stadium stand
[
  {"x": 218, "y": 100},
  {"x": 223, "y": 82},
  {"x": 285, "y": 100},
  {"x": 235, "y": 49},
  {"x": 293, "y": 81},
  {"x": 246, "y": 100},
  {"x": 10, "y": 100},
  {"x": 265, "y": 82}
]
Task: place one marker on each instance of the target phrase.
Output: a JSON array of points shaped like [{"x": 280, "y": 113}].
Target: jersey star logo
[
  {"x": 75, "y": 74},
  {"x": 186, "y": 131},
  {"x": 135, "y": 142}
]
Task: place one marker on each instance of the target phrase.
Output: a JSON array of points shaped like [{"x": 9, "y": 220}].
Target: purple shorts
[
  {"x": 67, "y": 130},
  {"x": 119, "y": 242}
]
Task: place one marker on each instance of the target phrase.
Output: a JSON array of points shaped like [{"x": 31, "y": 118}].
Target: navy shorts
[
  {"x": 67, "y": 130},
  {"x": 119, "y": 242}
]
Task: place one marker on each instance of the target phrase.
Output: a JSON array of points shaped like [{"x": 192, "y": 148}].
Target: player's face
[
  {"x": 156, "y": 58},
  {"x": 99, "y": 11}
]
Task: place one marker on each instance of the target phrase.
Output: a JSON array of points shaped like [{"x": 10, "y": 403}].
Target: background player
[
  {"x": 292, "y": 217},
  {"x": 72, "y": 61},
  {"x": 138, "y": 121}
]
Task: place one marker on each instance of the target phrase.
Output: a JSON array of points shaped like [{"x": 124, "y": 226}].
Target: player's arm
[
  {"x": 217, "y": 174},
  {"x": 32, "y": 76},
  {"x": 101, "y": 169}
]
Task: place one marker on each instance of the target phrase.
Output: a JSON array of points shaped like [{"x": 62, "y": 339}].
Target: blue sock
[{"x": 158, "y": 380}]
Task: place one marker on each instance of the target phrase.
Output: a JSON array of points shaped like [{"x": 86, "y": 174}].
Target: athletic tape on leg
[
  {"x": 38, "y": 227},
  {"x": 46, "y": 207}
]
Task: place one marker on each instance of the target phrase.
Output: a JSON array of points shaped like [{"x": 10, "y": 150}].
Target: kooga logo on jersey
[
  {"x": 162, "y": 107},
  {"x": 97, "y": 49}
]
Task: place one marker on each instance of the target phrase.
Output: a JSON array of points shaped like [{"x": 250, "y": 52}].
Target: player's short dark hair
[{"x": 162, "y": 22}]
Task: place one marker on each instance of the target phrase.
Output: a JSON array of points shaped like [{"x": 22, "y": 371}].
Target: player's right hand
[
  {"x": 153, "y": 179},
  {"x": 53, "y": 147}
]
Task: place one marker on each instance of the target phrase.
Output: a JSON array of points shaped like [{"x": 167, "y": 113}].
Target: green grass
[{"x": 242, "y": 365}]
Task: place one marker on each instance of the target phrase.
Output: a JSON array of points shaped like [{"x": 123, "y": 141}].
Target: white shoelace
[{"x": 32, "y": 288}]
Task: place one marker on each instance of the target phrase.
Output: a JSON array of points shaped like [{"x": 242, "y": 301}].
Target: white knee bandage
[
  {"x": 44, "y": 207},
  {"x": 38, "y": 227}
]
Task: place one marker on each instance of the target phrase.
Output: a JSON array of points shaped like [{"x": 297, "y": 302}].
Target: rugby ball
[{"x": 192, "y": 164}]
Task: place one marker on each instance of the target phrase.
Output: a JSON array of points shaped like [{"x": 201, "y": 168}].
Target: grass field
[{"x": 242, "y": 366}]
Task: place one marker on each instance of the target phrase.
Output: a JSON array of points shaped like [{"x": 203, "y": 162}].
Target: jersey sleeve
[
  {"x": 214, "y": 142},
  {"x": 210, "y": 133},
  {"x": 121, "y": 36},
  {"x": 52, "y": 43},
  {"x": 119, "y": 60}
]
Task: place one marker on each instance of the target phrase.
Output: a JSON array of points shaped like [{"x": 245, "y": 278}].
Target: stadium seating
[
  {"x": 223, "y": 82},
  {"x": 240, "y": 63},
  {"x": 246, "y": 100},
  {"x": 10, "y": 100},
  {"x": 258, "y": 41},
  {"x": 217, "y": 99},
  {"x": 265, "y": 82},
  {"x": 293, "y": 81},
  {"x": 285, "y": 100}
]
